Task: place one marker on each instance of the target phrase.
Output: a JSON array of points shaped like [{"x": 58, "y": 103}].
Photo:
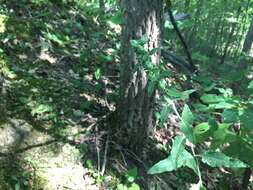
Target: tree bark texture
[
  {"x": 141, "y": 17},
  {"x": 249, "y": 38}
]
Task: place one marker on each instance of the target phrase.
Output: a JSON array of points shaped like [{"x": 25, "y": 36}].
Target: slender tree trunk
[
  {"x": 243, "y": 29},
  {"x": 247, "y": 45},
  {"x": 233, "y": 28},
  {"x": 195, "y": 26},
  {"x": 141, "y": 17},
  {"x": 249, "y": 38}
]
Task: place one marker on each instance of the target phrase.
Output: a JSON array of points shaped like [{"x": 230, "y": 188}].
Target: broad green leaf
[
  {"x": 213, "y": 124},
  {"x": 250, "y": 86},
  {"x": 179, "y": 157},
  {"x": 117, "y": 18},
  {"x": 98, "y": 74},
  {"x": 230, "y": 116},
  {"x": 186, "y": 159},
  {"x": 177, "y": 149},
  {"x": 241, "y": 150},
  {"x": 211, "y": 98},
  {"x": 247, "y": 119},
  {"x": 42, "y": 108},
  {"x": 164, "y": 114},
  {"x": 121, "y": 187},
  {"x": 218, "y": 159},
  {"x": 186, "y": 124},
  {"x": 131, "y": 174},
  {"x": 165, "y": 165},
  {"x": 171, "y": 163},
  {"x": 201, "y": 132},
  {"x": 134, "y": 186},
  {"x": 17, "y": 186},
  {"x": 172, "y": 92},
  {"x": 200, "y": 107},
  {"x": 222, "y": 135},
  {"x": 224, "y": 105}
]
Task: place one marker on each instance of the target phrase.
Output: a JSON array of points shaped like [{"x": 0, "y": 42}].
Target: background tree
[{"x": 247, "y": 43}]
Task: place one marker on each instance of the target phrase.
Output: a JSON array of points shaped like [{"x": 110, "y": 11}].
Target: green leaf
[
  {"x": 213, "y": 124},
  {"x": 179, "y": 157},
  {"x": 186, "y": 159},
  {"x": 177, "y": 148},
  {"x": 186, "y": 124},
  {"x": 42, "y": 108},
  {"x": 250, "y": 86},
  {"x": 247, "y": 119},
  {"x": 211, "y": 98},
  {"x": 17, "y": 186},
  {"x": 171, "y": 163},
  {"x": 98, "y": 74},
  {"x": 242, "y": 150},
  {"x": 165, "y": 165},
  {"x": 121, "y": 187},
  {"x": 134, "y": 186},
  {"x": 224, "y": 105},
  {"x": 131, "y": 174},
  {"x": 222, "y": 135},
  {"x": 230, "y": 116},
  {"x": 164, "y": 114},
  {"x": 172, "y": 92},
  {"x": 218, "y": 159},
  {"x": 200, "y": 107},
  {"x": 202, "y": 132},
  {"x": 117, "y": 18}
]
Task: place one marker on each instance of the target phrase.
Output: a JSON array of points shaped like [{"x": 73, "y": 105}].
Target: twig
[
  {"x": 105, "y": 156},
  {"x": 98, "y": 152}
]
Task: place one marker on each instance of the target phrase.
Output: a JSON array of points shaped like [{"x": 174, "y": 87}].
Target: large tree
[{"x": 141, "y": 18}]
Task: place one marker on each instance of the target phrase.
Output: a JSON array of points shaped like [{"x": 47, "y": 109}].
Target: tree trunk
[
  {"x": 247, "y": 45},
  {"x": 141, "y": 17},
  {"x": 231, "y": 34},
  {"x": 249, "y": 39}
]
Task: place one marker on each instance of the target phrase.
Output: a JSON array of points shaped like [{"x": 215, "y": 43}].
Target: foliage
[{"x": 59, "y": 71}]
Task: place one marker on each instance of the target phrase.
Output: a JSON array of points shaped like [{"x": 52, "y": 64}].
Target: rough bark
[{"x": 141, "y": 17}]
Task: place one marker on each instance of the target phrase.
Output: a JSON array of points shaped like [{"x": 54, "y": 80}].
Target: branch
[
  {"x": 178, "y": 62},
  {"x": 174, "y": 23}
]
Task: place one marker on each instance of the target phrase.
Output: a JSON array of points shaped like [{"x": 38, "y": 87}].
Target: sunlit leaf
[{"x": 218, "y": 159}]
